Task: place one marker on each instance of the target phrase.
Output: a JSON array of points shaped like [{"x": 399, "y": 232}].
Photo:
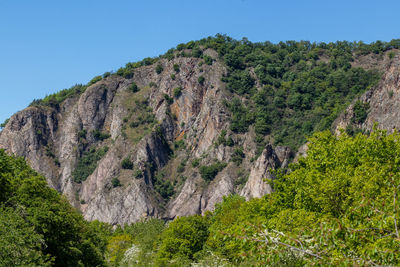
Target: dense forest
[{"x": 338, "y": 205}]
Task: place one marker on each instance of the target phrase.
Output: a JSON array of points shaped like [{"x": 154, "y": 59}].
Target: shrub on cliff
[
  {"x": 209, "y": 172},
  {"x": 127, "y": 164}
]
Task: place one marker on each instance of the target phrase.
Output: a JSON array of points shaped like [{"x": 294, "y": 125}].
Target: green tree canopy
[{"x": 43, "y": 224}]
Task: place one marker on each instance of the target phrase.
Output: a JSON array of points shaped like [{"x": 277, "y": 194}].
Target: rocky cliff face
[
  {"x": 270, "y": 159},
  {"x": 382, "y": 102},
  {"x": 166, "y": 132},
  {"x": 187, "y": 125}
]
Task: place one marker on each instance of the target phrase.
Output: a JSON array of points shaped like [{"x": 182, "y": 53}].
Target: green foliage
[
  {"x": 181, "y": 167},
  {"x": 49, "y": 151},
  {"x": 261, "y": 125},
  {"x": 4, "y": 123},
  {"x": 134, "y": 124},
  {"x": 127, "y": 164},
  {"x": 229, "y": 141},
  {"x": 197, "y": 52},
  {"x": 337, "y": 205},
  {"x": 240, "y": 82},
  {"x": 143, "y": 119},
  {"x": 241, "y": 118},
  {"x": 147, "y": 61},
  {"x": 159, "y": 69},
  {"x": 345, "y": 159},
  {"x": 56, "y": 99},
  {"x": 293, "y": 85},
  {"x": 221, "y": 137},
  {"x": 82, "y": 134},
  {"x": 127, "y": 73},
  {"x": 135, "y": 244},
  {"x": 241, "y": 179},
  {"x": 140, "y": 117},
  {"x": 176, "y": 68},
  {"x": 178, "y": 145},
  {"x": 353, "y": 130},
  {"x": 153, "y": 84},
  {"x": 337, "y": 179},
  {"x": 116, "y": 247},
  {"x": 138, "y": 174},
  {"x": 222, "y": 140},
  {"x": 100, "y": 136},
  {"x": 87, "y": 163},
  {"x": 209, "y": 172},
  {"x": 106, "y": 74},
  {"x": 177, "y": 92},
  {"x": 169, "y": 55},
  {"x": 163, "y": 186},
  {"x": 195, "y": 163},
  {"x": 208, "y": 60},
  {"x": 201, "y": 80},
  {"x": 173, "y": 76},
  {"x": 145, "y": 233},
  {"x": 38, "y": 227},
  {"x": 168, "y": 99},
  {"x": 360, "y": 112},
  {"x": 95, "y": 80},
  {"x": 238, "y": 156},
  {"x": 133, "y": 88},
  {"x": 226, "y": 216},
  {"x": 115, "y": 182},
  {"x": 20, "y": 244},
  {"x": 184, "y": 237},
  {"x": 180, "y": 47}
]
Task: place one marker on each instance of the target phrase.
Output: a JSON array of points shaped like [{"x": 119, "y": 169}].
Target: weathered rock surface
[
  {"x": 55, "y": 139},
  {"x": 383, "y": 101},
  {"x": 270, "y": 159}
]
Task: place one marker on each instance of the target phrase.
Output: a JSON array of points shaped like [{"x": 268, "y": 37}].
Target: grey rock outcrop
[
  {"x": 54, "y": 140},
  {"x": 383, "y": 101},
  {"x": 270, "y": 159}
]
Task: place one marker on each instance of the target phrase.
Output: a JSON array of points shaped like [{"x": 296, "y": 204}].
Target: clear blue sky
[{"x": 49, "y": 45}]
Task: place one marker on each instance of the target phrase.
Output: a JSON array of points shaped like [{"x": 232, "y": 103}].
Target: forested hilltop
[
  {"x": 185, "y": 159},
  {"x": 287, "y": 90}
]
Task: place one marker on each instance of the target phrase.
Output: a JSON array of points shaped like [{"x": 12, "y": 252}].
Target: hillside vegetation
[
  {"x": 286, "y": 91},
  {"x": 38, "y": 227},
  {"x": 339, "y": 205}
]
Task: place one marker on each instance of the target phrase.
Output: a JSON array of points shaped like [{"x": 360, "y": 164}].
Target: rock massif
[
  {"x": 143, "y": 140},
  {"x": 188, "y": 121}
]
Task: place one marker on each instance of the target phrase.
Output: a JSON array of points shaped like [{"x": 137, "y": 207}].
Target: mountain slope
[{"x": 171, "y": 136}]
